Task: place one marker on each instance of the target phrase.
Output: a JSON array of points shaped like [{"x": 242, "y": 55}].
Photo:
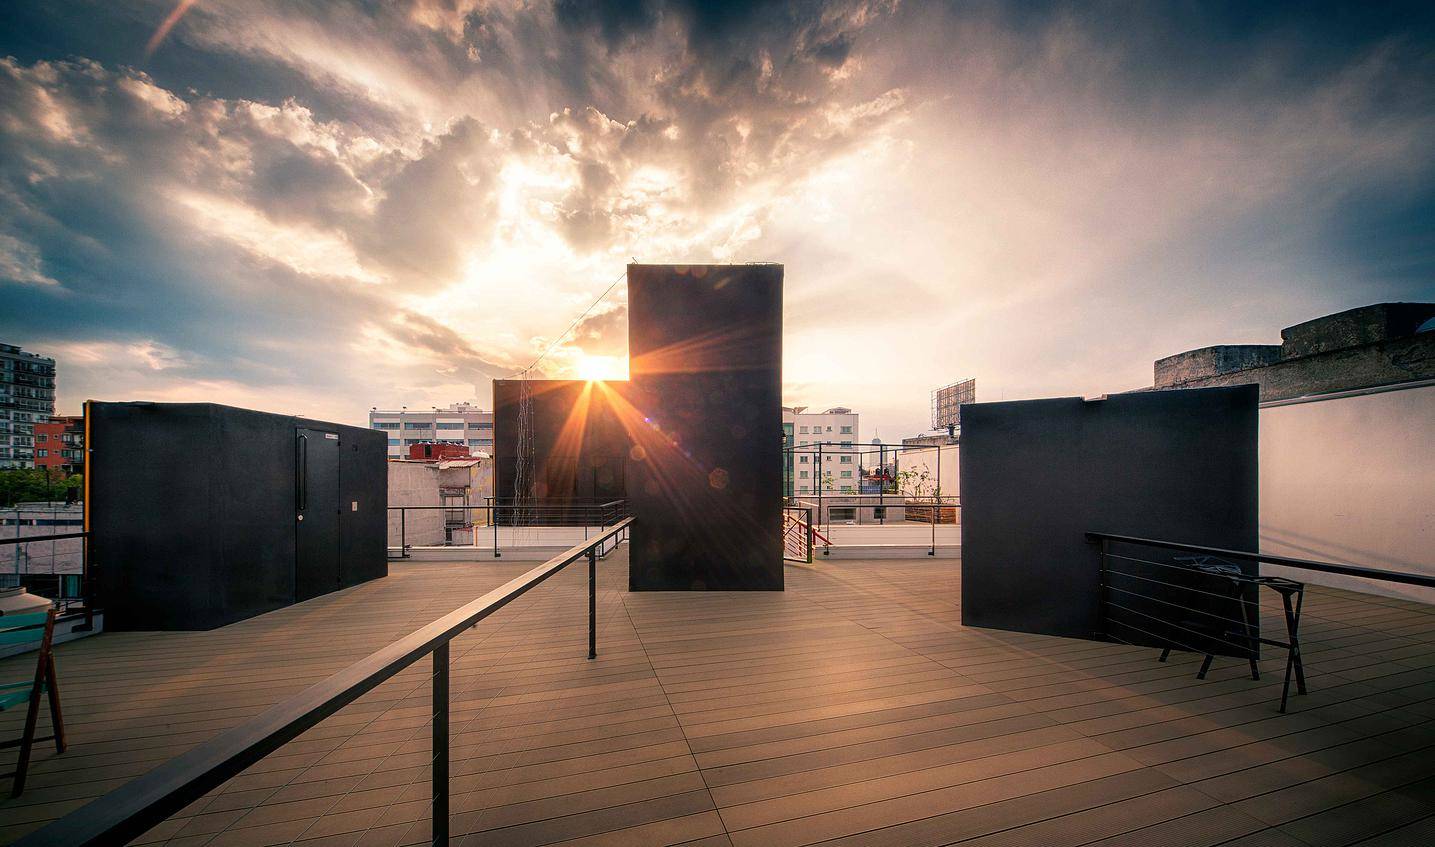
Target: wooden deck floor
[{"x": 851, "y": 709}]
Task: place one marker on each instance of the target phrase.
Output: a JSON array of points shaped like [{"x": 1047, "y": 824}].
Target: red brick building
[
  {"x": 60, "y": 444},
  {"x": 433, "y": 451}
]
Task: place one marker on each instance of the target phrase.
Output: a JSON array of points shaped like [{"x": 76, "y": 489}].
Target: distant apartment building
[
  {"x": 460, "y": 423},
  {"x": 60, "y": 444},
  {"x": 836, "y": 467},
  {"x": 27, "y": 396}
]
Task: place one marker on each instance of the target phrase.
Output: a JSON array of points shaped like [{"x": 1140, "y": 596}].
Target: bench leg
[
  {"x": 1165, "y": 654},
  {"x": 32, "y": 716},
  {"x": 1206, "y": 665},
  {"x": 53, "y": 689},
  {"x": 1293, "y": 636}
]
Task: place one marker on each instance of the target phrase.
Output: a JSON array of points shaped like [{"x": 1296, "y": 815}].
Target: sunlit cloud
[{"x": 391, "y": 204}]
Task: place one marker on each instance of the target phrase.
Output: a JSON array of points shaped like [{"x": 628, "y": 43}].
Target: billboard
[{"x": 947, "y": 403}]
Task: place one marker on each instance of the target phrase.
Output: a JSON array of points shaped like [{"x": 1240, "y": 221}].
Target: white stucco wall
[
  {"x": 1351, "y": 479},
  {"x": 415, "y": 484}
]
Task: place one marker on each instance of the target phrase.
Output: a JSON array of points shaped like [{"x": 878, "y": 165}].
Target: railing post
[
  {"x": 809, "y": 534},
  {"x": 403, "y": 533},
  {"x": 592, "y": 603},
  {"x": 87, "y": 588},
  {"x": 1105, "y": 596},
  {"x": 493, "y": 519},
  {"x": 440, "y": 746},
  {"x": 936, "y": 502}
]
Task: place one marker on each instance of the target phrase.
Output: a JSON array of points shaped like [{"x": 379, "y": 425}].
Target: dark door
[{"x": 316, "y": 495}]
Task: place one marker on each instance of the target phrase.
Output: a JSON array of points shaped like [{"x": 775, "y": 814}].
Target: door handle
[{"x": 301, "y": 476}]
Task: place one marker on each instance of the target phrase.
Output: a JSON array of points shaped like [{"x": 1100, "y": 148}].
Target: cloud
[{"x": 392, "y": 203}]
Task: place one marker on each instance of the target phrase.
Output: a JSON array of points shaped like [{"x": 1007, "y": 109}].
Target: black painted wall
[
  {"x": 577, "y": 451},
  {"x": 192, "y": 512},
  {"x": 1037, "y": 475},
  {"x": 705, "y": 478}
]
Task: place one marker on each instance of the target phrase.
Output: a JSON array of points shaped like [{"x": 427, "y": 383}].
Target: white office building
[
  {"x": 837, "y": 431},
  {"x": 461, "y": 423}
]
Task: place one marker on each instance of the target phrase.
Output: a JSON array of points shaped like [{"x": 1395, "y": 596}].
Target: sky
[{"x": 316, "y": 207}]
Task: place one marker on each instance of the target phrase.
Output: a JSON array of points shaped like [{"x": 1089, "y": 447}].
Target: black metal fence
[
  {"x": 484, "y": 521},
  {"x": 136, "y": 807},
  {"x": 1211, "y": 602},
  {"x": 797, "y": 533},
  {"x": 55, "y": 566}
]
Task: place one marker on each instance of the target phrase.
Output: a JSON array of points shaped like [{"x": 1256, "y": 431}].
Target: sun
[{"x": 600, "y": 368}]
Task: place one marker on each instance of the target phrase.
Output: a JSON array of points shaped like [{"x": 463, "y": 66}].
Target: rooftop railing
[
  {"x": 1209, "y": 601},
  {"x": 136, "y": 807},
  {"x": 483, "y": 522},
  {"x": 53, "y": 565}
]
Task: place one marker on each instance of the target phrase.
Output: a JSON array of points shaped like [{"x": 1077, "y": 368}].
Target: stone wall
[{"x": 1360, "y": 348}]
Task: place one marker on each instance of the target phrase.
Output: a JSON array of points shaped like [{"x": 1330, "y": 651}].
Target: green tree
[{"x": 25, "y": 485}]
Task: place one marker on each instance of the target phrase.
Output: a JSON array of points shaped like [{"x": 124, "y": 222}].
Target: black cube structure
[
  {"x": 569, "y": 449},
  {"x": 704, "y": 410},
  {"x": 202, "y": 515},
  {"x": 1037, "y": 475}
]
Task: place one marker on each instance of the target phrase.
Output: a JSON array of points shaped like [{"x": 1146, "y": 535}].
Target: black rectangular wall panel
[
  {"x": 705, "y": 412},
  {"x": 363, "y": 503},
  {"x": 192, "y": 512},
  {"x": 572, "y": 449},
  {"x": 1037, "y": 475}
]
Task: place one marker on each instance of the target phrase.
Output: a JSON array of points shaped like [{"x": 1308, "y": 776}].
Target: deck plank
[{"x": 853, "y": 708}]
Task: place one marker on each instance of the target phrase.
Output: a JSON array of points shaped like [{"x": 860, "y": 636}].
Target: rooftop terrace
[{"x": 853, "y": 708}]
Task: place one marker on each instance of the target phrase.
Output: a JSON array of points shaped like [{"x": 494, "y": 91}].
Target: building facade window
[
  {"x": 846, "y": 430},
  {"x": 846, "y": 460},
  {"x": 802, "y": 474},
  {"x": 449, "y": 425},
  {"x": 846, "y": 474},
  {"x": 803, "y": 430},
  {"x": 386, "y": 425},
  {"x": 842, "y": 513},
  {"x": 416, "y": 425},
  {"x": 393, "y": 442}
]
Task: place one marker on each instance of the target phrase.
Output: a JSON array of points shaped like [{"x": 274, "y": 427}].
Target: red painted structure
[
  {"x": 433, "y": 451},
  {"x": 62, "y": 441}
]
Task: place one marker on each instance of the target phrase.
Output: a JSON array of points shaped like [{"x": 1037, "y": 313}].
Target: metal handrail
[
  {"x": 26, "y": 539},
  {"x": 1307, "y": 564},
  {"x": 86, "y": 578},
  {"x": 137, "y": 806},
  {"x": 606, "y": 513}
]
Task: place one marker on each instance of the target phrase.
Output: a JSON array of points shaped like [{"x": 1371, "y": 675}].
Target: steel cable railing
[
  {"x": 143, "y": 803},
  {"x": 1205, "y": 600}
]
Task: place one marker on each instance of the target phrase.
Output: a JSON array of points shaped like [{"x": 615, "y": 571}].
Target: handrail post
[
  {"x": 403, "y": 536},
  {"x": 592, "y": 602},
  {"x": 809, "y": 534},
  {"x": 440, "y": 745},
  {"x": 936, "y": 502},
  {"x": 89, "y": 579},
  {"x": 1104, "y": 593},
  {"x": 493, "y": 519}
]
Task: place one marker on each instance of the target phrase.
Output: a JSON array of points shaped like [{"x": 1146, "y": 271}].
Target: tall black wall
[
  {"x": 1037, "y": 475},
  {"x": 705, "y": 479},
  {"x": 576, "y": 452},
  {"x": 192, "y": 512}
]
